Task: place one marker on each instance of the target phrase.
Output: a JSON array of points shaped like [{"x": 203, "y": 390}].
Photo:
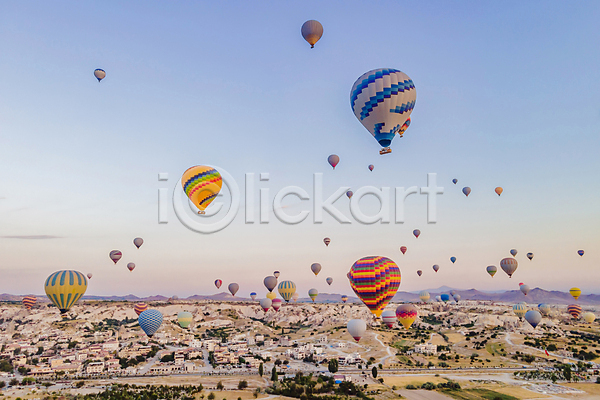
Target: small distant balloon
[
  {"x": 138, "y": 242},
  {"x": 295, "y": 297},
  {"x": 575, "y": 292},
  {"x": 140, "y": 308},
  {"x": 29, "y": 301},
  {"x": 456, "y": 297},
  {"x": 312, "y": 31},
  {"x": 349, "y": 193},
  {"x": 313, "y": 293},
  {"x": 344, "y": 298},
  {"x": 403, "y": 249},
  {"x": 453, "y": 259},
  {"x": 276, "y": 274},
  {"x": 266, "y": 304},
  {"x": 467, "y": 191},
  {"x": 519, "y": 310},
  {"x": 544, "y": 308},
  {"x": 513, "y": 252},
  {"x": 445, "y": 297},
  {"x": 371, "y": 167},
  {"x": 329, "y": 280},
  {"x": 416, "y": 232},
  {"x": 233, "y": 288},
  {"x": 99, "y": 74},
  {"x": 574, "y": 310},
  {"x": 492, "y": 269},
  {"x": 452, "y": 292},
  {"x": 406, "y": 314},
  {"x": 424, "y": 296},
  {"x": 115, "y": 255},
  {"x": 389, "y": 318},
  {"x": 530, "y": 255},
  {"x": 498, "y": 190},
  {"x": 533, "y": 317},
  {"x": 253, "y": 295},
  {"x": 580, "y": 252},
  {"x": 271, "y": 295},
  {"x": 218, "y": 283},
  {"x": 419, "y": 272},
  {"x": 588, "y": 317},
  {"x": 315, "y": 268},
  {"x": 89, "y": 275},
  {"x": 131, "y": 267},
  {"x": 201, "y": 185},
  {"x": 509, "y": 265},
  {"x": 333, "y": 160},
  {"x": 326, "y": 241},
  {"x": 276, "y": 304},
  {"x": 270, "y": 283},
  {"x": 184, "y": 318},
  {"x": 436, "y": 268},
  {"x": 524, "y": 289},
  {"x": 455, "y": 181},
  {"x": 287, "y": 290},
  {"x": 356, "y": 328}
]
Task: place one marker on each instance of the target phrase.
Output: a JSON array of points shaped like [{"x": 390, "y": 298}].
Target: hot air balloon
[
  {"x": 115, "y": 255},
  {"x": 29, "y": 301},
  {"x": 89, "y": 275},
  {"x": 456, "y": 297},
  {"x": 438, "y": 298},
  {"x": 315, "y": 268},
  {"x": 544, "y": 308},
  {"x": 150, "y": 321},
  {"x": 356, "y": 328},
  {"x": 271, "y": 295},
  {"x": 313, "y": 293},
  {"x": 287, "y": 289},
  {"x": 533, "y": 317},
  {"x": 521, "y": 283},
  {"x": 326, "y": 241},
  {"x": 575, "y": 292},
  {"x": 333, "y": 160},
  {"x": 436, "y": 268},
  {"x": 382, "y": 100},
  {"x": 218, "y": 283},
  {"x": 519, "y": 310},
  {"x": 295, "y": 297},
  {"x": 349, "y": 193},
  {"x": 453, "y": 259},
  {"x": 492, "y": 269},
  {"x": 312, "y": 31},
  {"x": 131, "y": 267},
  {"x": 140, "y": 308},
  {"x": 184, "y": 318},
  {"x": 530, "y": 255},
  {"x": 371, "y": 167},
  {"x": 270, "y": 283},
  {"x": 524, "y": 289},
  {"x": 138, "y": 242},
  {"x": 406, "y": 314},
  {"x": 64, "y": 288},
  {"x": 574, "y": 310},
  {"x": 266, "y": 304},
  {"x": 416, "y": 232},
  {"x": 233, "y": 288},
  {"x": 588, "y": 317},
  {"x": 455, "y": 181},
  {"x": 424, "y": 296},
  {"x": 580, "y": 252},
  {"x": 403, "y": 249},
  {"x": 509, "y": 265},
  {"x": 201, "y": 184},
  {"x": 513, "y": 252},
  {"x": 99, "y": 74},
  {"x": 253, "y": 295},
  {"x": 344, "y": 298},
  {"x": 329, "y": 280},
  {"x": 404, "y": 127},
  {"x": 419, "y": 272},
  {"x": 467, "y": 191},
  {"x": 452, "y": 292},
  {"x": 375, "y": 280},
  {"x": 445, "y": 297},
  {"x": 276, "y": 274},
  {"x": 498, "y": 190},
  {"x": 389, "y": 318},
  {"x": 276, "y": 304}
]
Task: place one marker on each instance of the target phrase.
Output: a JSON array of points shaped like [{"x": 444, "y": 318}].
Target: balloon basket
[
  {"x": 201, "y": 212},
  {"x": 385, "y": 150}
]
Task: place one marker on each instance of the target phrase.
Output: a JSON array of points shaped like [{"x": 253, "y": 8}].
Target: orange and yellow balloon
[
  {"x": 201, "y": 184},
  {"x": 375, "y": 280},
  {"x": 406, "y": 314}
]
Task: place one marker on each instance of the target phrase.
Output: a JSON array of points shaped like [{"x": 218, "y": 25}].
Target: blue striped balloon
[
  {"x": 150, "y": 321},
  {"x": 286, "y": 290},
  {"x": 65, "y": 288}
]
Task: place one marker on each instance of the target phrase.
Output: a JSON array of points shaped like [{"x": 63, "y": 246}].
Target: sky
[{"x": 507, "y": 95}]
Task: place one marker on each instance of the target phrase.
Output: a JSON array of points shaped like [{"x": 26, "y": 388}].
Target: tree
[
  {"x": 333, "y": 366},
  {"x": 211, "y": 396},
  {"x": 567, "y": 372},
  {"x": 274, "y": 376},
  {"x": 242, "y": 385},
  {"x": 260, "y": 369},
  {"x": 220, "y": 385},
  {"x": 374, "y": 372}
]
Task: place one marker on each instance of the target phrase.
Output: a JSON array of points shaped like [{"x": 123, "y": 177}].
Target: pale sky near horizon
[{"x": 507, "y": 95}]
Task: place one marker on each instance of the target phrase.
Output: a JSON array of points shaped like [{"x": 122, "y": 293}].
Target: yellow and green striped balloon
[
  {"x": 64, "y": 288},
  {"x": 286, "y": 290}
]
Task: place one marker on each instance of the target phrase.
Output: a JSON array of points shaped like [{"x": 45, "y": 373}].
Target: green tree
[
  {"x": 333, "y": 366},
  {"x": 274, "y": 376},
  {"x": 211, "y": 396},
  {"x": 242, "y": 385},
  {"x": 261, "y": 369},
  {"x": 374, "y": 372},
  {"x": 220, "y": 385},
  {"x": 567, "y": 372}
]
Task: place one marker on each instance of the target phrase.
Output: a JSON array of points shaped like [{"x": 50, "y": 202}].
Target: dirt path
[{"x": 423, "y": 395}]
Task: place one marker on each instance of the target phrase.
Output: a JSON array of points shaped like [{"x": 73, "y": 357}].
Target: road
[
  {"x": 389, "y": 350},
  {"x": 423, "y": 395},
  {"x": 530, "y": 349}
]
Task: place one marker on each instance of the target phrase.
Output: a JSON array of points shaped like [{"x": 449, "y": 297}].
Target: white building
[
  {"x": 426, "y": 348},
  {"x": 95, "y": 368}
]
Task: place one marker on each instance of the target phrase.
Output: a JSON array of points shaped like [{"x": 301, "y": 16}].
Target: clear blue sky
[{"x": 507, "y": 95}]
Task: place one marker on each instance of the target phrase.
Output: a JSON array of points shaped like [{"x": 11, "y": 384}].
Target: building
[
  {"x": 95, "y": 368},
  {"x": 426, "y": 348}
]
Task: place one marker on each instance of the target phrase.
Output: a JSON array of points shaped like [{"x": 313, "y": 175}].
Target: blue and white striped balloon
[
  {"x": 150, "y": 321},
  {"x": 382, "y": 100}
]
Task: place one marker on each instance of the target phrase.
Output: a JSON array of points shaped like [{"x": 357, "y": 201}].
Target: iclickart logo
[{"x": 194, "y": 199}]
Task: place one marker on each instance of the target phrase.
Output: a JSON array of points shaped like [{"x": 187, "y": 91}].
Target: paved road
[{"x": 423, "y": 395}]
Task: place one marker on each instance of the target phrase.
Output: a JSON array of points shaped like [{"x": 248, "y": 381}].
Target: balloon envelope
[
  {"x": 419, "y": 272},
  {"x": 406, "y": 314},
  {"x": 575, "y": 292},
  {"x": 588, "y": 317},
  {"x": 313, "y": 293},
  {"x": 509, "y": 265},
  {"x": 375, "y": 280},
  {"x": 349, "y": 193},
  {"x": 276, "y": 274},
  {"x": 287, "y": 289},
  {"x": 115, "y": 255},
  {"x": 580, "y": 252},
  {"x": 333, "y": 160},
  {"x": 513, "y": 252},
  {"x": 403, "y": 249},
  {"x": 253, "y": 295},
  {"x": 326, "y": 241},
  {"x": 524, "y": 289},
  {"x": 467, "y": 191},
  {"x": 453, "y": 259},
  {"x": 492, "y": 269},
  {"x": 99, "y": 74},
  {"x": 184, "y": 318},
  {"x": 271, "y": 295},
  {"x": 445, "y": 297},
  {"x": 416, "y": 232},
  {"x": 329, "y": 280},
  {"x": 150, "y": 321},
  {"x": 218, "y": 283},
  {"x": 371, "y": 167},
  {"x": 424, "y": 296},
  {"x": 315, "y": 268},
  {"x": 533, "y": 317},
  {"x": 140, "y": 308},
  {"x": 519, "y": 310},
  {"x": 276, "y": 304},
  {"x": 544, "y": 309},
  {"x": 498, "y": 190},
  {"x": 201, "y": 184},
  {"x": 344, "y": 298},
  {"x": 454, "y": 181},
  {"x": 138, "y": 242},
  {"x": 456, "y": 297},
  {"x": 436, "y": 268},
  {"x": 131, "y": 267},
  {"x": 233, "y": 288},
  {"x": 89, "y": 275},
  {"x": 312, "y": 31},
  {"x": 574, "y": 310},
  {"x": 29, "y": 301},
  {"x": 356, "y": 328},
  {"x": 270, "y": 283},
  {"x": 389, "y": 318},
  {"x": 295, "y": 297},
  {"x": 266, "y": 304},
  {"x": 64, "y": 288},
  {"x": 530, "y": 255}
]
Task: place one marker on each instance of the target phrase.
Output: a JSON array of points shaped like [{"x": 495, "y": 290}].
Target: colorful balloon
[
  {"x": 445, "y": 297},
  {"x": 276, "y": 304},
  {"x": 382, "y": 100},
  {"x": 498, "y": 190},
  {"x": 509, "y": 265},
  {"x": 530, "y": 255},
  {"x": 312, "y": 31},
  {"x": 138, "y": 242},
  {"x": 519, "y": 310},
  {"x": 287, "y": 289},
  {"x": 266, "y": 304},
  {"x": 99, "y": 74},
  {"x": 276, "y": 274},
  {"x": 455, "y": 181},
  {"x": 580, "y": 252},
  {"x": 315, "y": 268},
  {"x": 115, "y": 255},
  {"x": 403, "y": 249},
  {"x": 218, "y": 283},
  {"x": 233, "y": 288},
  {"x": 89, "y": 275},
  {"x": 150, "y": 321},
  {"x": 453, "y": 259},
  {"x": 544, "y": 309},
  {"x": 467, "y": 191},
  {"x": 588, "y": 317},
  {"x": 333, "y": 160},
  {"x": 313, "y": 293},
  {"x": 575, "y": 292},
  {"x": 406, "y": 314},
  {"x": 64, "y": 288},
  {"x": 375, "y": 280},
  {"x": 201, "y": 184},
  {"x": 184, "y": 318},
  {"x": 326, "y": 241},
  {"x": 419, "y": 272},
  {"x": 344, "y": 298},
  {"x": 349, "y": 193},
  {"x": 513, "y": 252},
  {"x": 524, "y": 289},
  {"x": 492, "y": 269},
  {"x": 404, "y": 127},
  {"x": 271, "y": 296},
  {"x": 436, "y": 268},
  {"x": 356, "y": 328},
  {"x": 131, "y": 267},
  {"x": 574, "y": 310},
  {"x": 140, "y": 308},
  {"x": 29, "y": 301},
  {"x": 389, "y": 318},
  {"x": 329, "y": 280},
  {"x": 416, "y": 232},
  {"x": 424, "y": 296},
  {"x": 533, "y": 317},
  {"x": 253, "y": 295},
  {"x": 371, "y": 167},
  {"x": 270, "y": 283}
]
